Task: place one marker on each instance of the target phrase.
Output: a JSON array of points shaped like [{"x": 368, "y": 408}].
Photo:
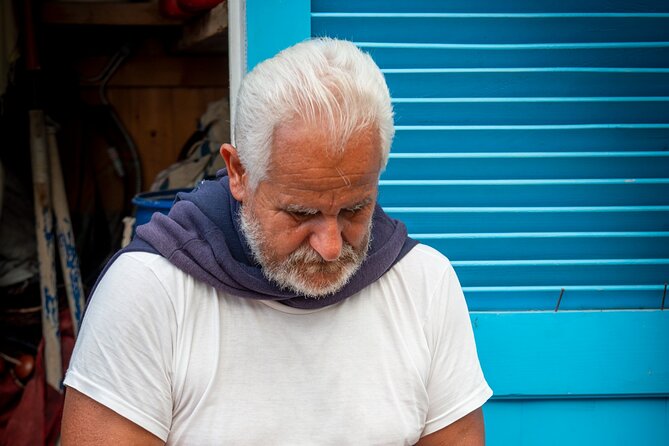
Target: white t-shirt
[{"x": 195, "y": 366}]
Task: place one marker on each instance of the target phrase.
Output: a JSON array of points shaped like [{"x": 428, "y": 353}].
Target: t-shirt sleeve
[
  {"x": 456, "y": 385},
  {"x": 123, "y": 354}
]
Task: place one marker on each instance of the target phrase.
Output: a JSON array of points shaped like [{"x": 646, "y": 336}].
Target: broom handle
[
  {"x": 69, "y": 260},
  {"x": 45, "y": 249}
]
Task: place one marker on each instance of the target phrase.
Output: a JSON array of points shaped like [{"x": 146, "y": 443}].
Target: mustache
[{"x": 307, "y": 257}]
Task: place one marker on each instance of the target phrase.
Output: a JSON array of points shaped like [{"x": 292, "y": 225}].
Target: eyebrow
[
  {"x": 359, "y": 205},
  {"x": 298, "y": 209}
]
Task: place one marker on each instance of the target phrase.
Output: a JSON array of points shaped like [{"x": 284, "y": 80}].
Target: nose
[{"x": 326, "y": 238}]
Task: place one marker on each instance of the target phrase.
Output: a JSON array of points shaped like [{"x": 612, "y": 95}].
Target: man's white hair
[{"x": 326, "y": 82}]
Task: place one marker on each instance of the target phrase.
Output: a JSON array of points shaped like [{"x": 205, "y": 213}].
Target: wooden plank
[
  {"x": 79, "y": 13},
  {"x": 191, "y": 105},
  {"x": 208, "y": 31},
  {"x": 155, "y": 137},
  {"x": 160, "y": 120},
  {"x": 163, "y": 71},
  {"x": 45, "y": 249}
]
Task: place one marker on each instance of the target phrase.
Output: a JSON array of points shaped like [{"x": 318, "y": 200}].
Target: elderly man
[{"x": 278, "y": 304}]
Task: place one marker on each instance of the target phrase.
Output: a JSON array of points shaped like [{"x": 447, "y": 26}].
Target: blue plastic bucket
[{"x": 149, "y": 202}]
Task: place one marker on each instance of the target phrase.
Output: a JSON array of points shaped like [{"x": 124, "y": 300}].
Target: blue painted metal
[
  {"x": 549, "y": 245},
  {"x": 272, "y": 25},
  {"x": 574, "y": 297},
  {"x": 499, "y": 27},
  {"x": 531, "y": 147},
  {"x": 487, "y": 6},
  {"x": 532, "y": 219},
  {"x": 536, "y": 111},
  {"x": 450, "y": 55},
  {"x": 460, "y": 193},
  {"x": 527, "y": 82},
  {"x": 573, "y": 165},
  {"x": 529, "y": 138},
  {"x": 578, "y": 422},
  {"x": 562, "y": 273},
  {"x": 549, "y": 354}
]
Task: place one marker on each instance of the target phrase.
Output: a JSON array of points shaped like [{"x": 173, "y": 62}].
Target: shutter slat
[
  {"x": 490, "y": 6},
  {"x": 558, "y": 138},
  {"x": 642, "y": 192},
  {"x": 607, "y": 54},
  {"x": 492, "y": 27},
  {"x": 527, "y": 219},
  {"x": 531, "y": 142},
  {"x": 505, "y": 111},
  {"x": 573, "y": 165},
  {"x": 556, "y": 245},
  {"x": 545, "y": 298},
  {"x": 562, "y": 273},
  {"x": 527, "y": 82}
]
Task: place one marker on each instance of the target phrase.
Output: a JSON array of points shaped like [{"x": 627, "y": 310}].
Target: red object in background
[
  {"x": 183, "y": 9},
  {"x": 31, "y": 416},
  {"x": 171, "y": 9},
  {"x": 198, "y": 5},
  {"x": 25, "y": 367}
]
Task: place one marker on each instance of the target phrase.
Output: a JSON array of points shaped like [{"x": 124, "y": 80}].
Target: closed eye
[
  {"x": 353, "y": 210},
  {"x": 300, "y": 213},
  {"x": 359, "y": 206}
]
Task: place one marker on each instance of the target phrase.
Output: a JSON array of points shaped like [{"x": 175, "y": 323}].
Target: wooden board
[
  {"x": 160, "y": 120},
  {"x": 112, "y": 13},
  {"x": 161, "y": 71},
  {"x": 206, "y": 32}
]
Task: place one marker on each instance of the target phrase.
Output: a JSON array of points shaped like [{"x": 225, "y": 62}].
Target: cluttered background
[{"x": 101, "y": 103}]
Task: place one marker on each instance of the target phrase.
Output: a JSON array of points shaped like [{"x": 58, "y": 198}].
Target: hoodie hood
[{"x": 201, "y": 236}]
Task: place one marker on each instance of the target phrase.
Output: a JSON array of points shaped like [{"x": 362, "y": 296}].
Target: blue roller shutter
[
  {"x": 531, "y": 142},
  {"x": 532, "y": 149}
]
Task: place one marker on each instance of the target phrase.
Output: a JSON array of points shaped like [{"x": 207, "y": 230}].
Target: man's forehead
[{"x": 310, "y": 141}]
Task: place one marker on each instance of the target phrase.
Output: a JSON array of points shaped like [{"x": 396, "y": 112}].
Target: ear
[{"x": 236, "y": 172}]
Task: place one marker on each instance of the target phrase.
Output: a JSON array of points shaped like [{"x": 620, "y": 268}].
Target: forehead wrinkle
[
  {"x": 296, "y": 184},
  {"x": 332, "y": 201},
  {"x": 343, "y": 177}
]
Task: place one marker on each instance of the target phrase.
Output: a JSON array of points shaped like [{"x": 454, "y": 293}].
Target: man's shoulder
[
  {"x": 148, "y": 273},
  {"x": 143, "y": 257},
  {"x": 424, "y": 256},
  {"x": 138, "y": 263},
  {"x": 421, "y": 270}
]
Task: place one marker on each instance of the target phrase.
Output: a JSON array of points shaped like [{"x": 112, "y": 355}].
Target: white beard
[{"x": 298, "y": 272}]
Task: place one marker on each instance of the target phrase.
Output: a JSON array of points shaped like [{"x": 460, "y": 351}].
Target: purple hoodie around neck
[{"x": 201, "y": 236}]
